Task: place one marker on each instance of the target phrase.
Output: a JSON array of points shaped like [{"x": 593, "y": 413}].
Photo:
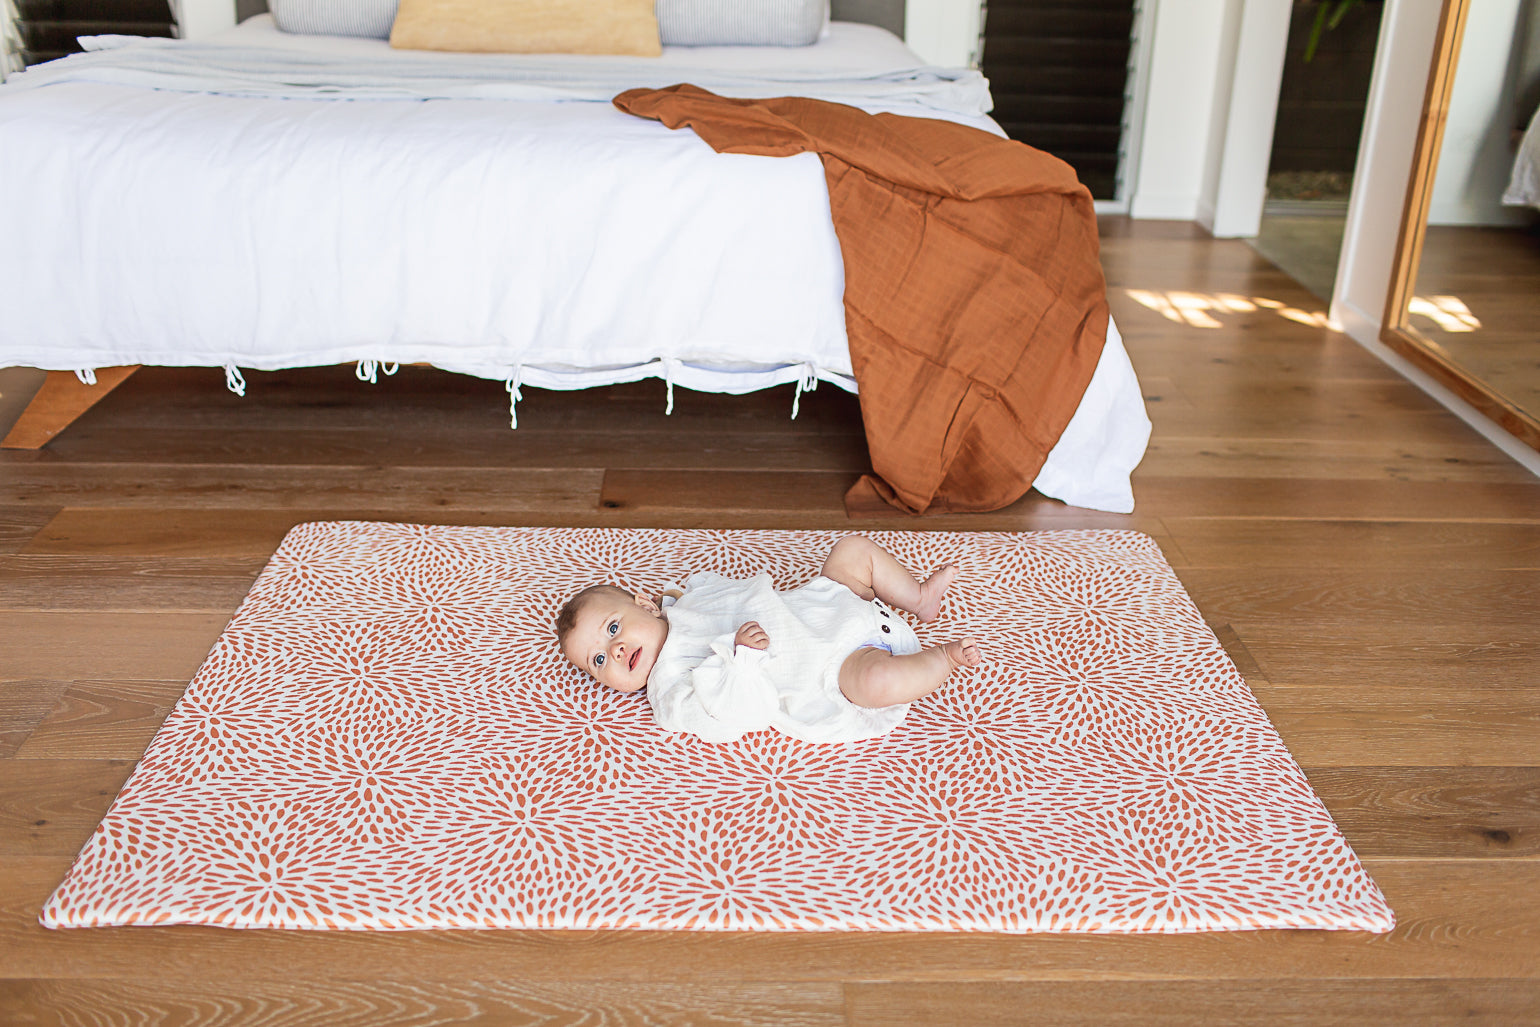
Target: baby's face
[{"x": 616, "y": 639}]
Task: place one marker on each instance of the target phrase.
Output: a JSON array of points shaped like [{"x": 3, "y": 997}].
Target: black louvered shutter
[
  {"x": 1059, "y": 73},
  {"x": 48, "y": 27}
]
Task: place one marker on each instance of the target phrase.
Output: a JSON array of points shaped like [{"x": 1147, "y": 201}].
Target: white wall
[
  {"x": 1224, "y": 89},
  {"x": 199, "y": 18},
  {"x": 1396, "y": 90},
  {"x": 943, "y": 32},
  {"x": 1241, "y": 140},
  {"x": 1193, "y": 40},
  {"x": 1477, "y": 155}
]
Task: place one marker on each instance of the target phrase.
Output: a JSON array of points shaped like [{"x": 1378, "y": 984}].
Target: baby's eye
[
  {"x": 614, "y": 626},
  {"x": 599, "y": 660}
]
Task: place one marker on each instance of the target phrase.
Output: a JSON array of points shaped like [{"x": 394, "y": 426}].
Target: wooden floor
[{"x": 1372, "y": 565}]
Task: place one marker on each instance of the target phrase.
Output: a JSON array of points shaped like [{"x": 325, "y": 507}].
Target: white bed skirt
[{"x": 553, "y": 244}]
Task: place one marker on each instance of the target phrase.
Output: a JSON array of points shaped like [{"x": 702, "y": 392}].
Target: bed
[{"x": 265, "y": 200}]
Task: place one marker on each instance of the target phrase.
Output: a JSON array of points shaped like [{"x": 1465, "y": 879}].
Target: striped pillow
[
  {"x": 334, "y": 17},
  {"x": 741, "y": 22}
]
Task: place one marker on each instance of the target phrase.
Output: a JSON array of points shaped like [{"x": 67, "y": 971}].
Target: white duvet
[{"x": 236, "y": 210}]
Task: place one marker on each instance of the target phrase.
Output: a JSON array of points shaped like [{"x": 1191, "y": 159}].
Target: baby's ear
[{"x": 647, "y": 604}]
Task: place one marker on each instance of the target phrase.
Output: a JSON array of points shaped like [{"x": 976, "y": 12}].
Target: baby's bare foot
[
  {"x": 933, "y": 590},
  {"x": 963, "y": 654}
]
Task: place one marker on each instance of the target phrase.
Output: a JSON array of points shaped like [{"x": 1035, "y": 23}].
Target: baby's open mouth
[{"x": 636, "y": 654}]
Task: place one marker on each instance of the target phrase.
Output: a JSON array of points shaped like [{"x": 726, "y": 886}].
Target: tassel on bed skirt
[{"x": 515, "y": 393}]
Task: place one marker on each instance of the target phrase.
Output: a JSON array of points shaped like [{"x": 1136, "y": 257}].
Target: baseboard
[
  {"x": 1305, "y": 208},
  {"x": 1168, "y": 207},
  {"x": 1205, "y": 215},
  {"x": 1365, "y": 330}
]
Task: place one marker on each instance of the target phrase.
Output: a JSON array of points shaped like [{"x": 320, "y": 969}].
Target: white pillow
[
  {"x": 371, "y": 18},
  {"x": 741, "y": 22},
  {"x": 680, "y": 22}
]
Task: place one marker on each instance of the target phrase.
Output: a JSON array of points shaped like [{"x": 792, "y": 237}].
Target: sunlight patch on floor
[
  {"x": 1199, "y": 309},
  {"x": 1448, "y": 312}
]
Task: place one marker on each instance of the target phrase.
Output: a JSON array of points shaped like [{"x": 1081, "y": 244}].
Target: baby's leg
[
  {"x": 875, "y": 678},
  {"x": 868, "y": 570}
]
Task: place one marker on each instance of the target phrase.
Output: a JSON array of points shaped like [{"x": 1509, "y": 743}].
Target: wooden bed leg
[{"x": 56, "y": 405}]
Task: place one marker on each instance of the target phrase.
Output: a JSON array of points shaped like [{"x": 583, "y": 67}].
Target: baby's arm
[{"x": 752, "y": 635}]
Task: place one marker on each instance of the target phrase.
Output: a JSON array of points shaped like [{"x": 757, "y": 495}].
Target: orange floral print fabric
[{"x": 385, "y": 737}]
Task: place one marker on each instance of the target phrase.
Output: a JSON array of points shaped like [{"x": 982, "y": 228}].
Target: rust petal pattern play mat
[{"x": 385, "y": 738}]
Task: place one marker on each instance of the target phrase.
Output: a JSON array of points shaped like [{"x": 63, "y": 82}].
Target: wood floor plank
[
  {"x": 1337, "y": 499},
  {"x": 1172, "y": 455},
  {"x": 1200, "y": 276},
  {"x": 1347, "y": 714},
  {"x": 748, "y": 449},
  {"x": 813, "y": 496},
  {"x": 102, "y": 720},
  {"x": 1207, "y": 369},
  {"x": 36, "y": 583},
  {"x": 127, "y": 646},
  {"x": 1432, "y": 811},
  {"x": 166, "y": 532},
  {"x": 23, "y": 705},
  {"x": 1332, "y": 657},
  {"x": 780, "y": 491},
  {"x": 51, "y": 807},
  {"x": 1402, "y": 429},
  {"x": 1269, "y": 388},
  {"x": 1163, "y": 395},
  {"x": 310, "y": 1002},
  {"x": 1263, "y": 1003},
  {"x": 1501, "y": 604},
  {"x": 1370, "y": 546},
  {"x": 18, "y": 524},
  {"x": 1456, "y": 919},
  {"x": 256, "y": 488},
  {"x": 47, "y": 567},
  {"x": 1406, "y": 727}
]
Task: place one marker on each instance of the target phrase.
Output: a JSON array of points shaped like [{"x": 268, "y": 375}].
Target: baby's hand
[{"x": 752, "y": 635}]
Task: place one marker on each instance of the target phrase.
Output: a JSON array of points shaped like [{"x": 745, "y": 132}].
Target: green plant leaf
[
  {"x": 1328, "y": 15},
  {"x": 1315, "y": 32},
  {"x": 1343, "y": 7}
]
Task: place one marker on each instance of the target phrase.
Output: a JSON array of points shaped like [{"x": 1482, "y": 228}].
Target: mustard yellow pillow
[{"x": 528, "y": 26}]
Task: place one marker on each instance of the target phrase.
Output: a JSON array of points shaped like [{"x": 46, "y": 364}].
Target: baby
[{"x": 827, "y": 661}]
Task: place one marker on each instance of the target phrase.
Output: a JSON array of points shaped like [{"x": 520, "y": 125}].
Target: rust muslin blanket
[{"x": 974, "y": 298}]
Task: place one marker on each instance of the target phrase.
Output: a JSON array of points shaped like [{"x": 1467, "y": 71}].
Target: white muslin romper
[{"x": 703, "y": 684}]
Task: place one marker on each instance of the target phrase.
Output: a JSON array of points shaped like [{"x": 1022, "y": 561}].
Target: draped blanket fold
[{"x": 974, "y": 297}]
